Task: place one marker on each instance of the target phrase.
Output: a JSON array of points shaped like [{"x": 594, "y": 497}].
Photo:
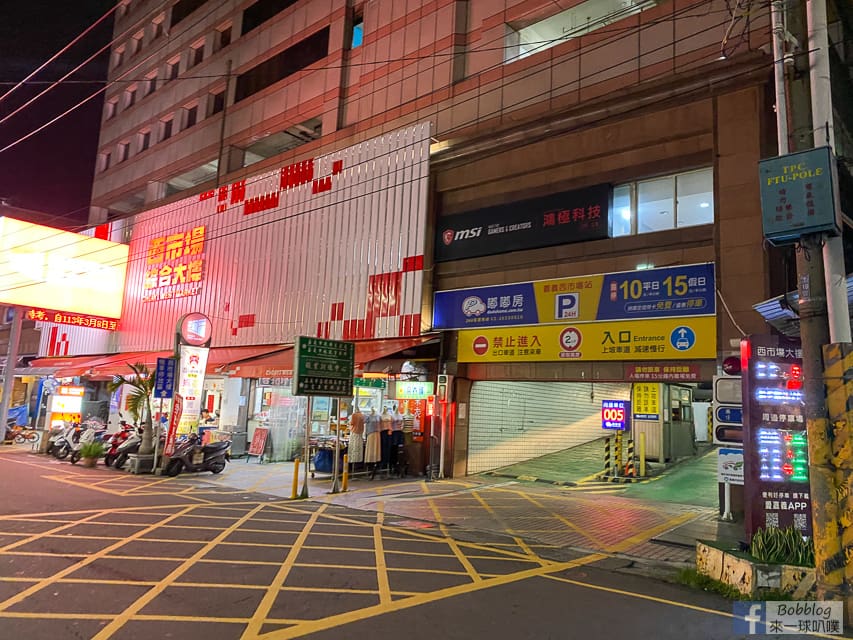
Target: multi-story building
[{"x": 451, "y": 145}]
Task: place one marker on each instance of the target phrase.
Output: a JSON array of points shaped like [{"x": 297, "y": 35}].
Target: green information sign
[
  {"x": 371, "y": 383},
  {"x": 323, "y": 367}
]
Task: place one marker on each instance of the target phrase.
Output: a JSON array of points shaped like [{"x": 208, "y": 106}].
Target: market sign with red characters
[
  {"x": 559, "y": 218},
  {"x": 75, "y": 319}
]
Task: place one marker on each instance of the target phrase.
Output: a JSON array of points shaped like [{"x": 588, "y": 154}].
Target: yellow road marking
[
  {"x": 651, "y": 532},
  {"x": 146, "y": 486},
  {"x": 564, "y": 520},
  {"x": 521, "y": 544},
  {"x": 38, "y": 536},
  {"x": 314, "y": 626},
  {"x": 381, "y": 569},
  {"x": 254, "y": 627},
  {"x": 122, "y": 618},
  {"x": 87, "y": 560}
]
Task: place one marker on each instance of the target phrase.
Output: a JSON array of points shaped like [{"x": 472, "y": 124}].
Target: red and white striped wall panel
[{"x": 333, "y": 246}]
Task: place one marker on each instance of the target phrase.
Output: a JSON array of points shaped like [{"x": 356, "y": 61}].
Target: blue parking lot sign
[{"x": 164, "y": 378}]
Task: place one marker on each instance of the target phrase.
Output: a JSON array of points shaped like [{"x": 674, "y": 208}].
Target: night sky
[{"x": 52, "y": 171}]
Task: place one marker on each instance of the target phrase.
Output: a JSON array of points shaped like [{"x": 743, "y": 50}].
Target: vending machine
[{"x": 774, "y": 435}]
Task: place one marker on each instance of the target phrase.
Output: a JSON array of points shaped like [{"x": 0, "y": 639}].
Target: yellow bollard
[
  {"x": 642, "y": 455},
  {"x": 345, "y": 478},
  {"x": 295, "y": 489}
]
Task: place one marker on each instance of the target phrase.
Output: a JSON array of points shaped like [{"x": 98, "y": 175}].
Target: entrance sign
[
  {"x": 323, "y": 367},
  {"x": 799, "y": 194}
]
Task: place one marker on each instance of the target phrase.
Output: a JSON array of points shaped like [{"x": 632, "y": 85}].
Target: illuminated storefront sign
[
  {"x": 175, "y": 265},
  {"x": 73, "y": 273},
  {"x": 193, "y": 365},
  {"x": 75, "y": 319},
  {"x": 615, "y": 415},
  {"x": 413, "y": 390},
  {"x": 681, "y": 291},
  {"x": 664, "y": 339},
  {"x": 664, "y": 372}
]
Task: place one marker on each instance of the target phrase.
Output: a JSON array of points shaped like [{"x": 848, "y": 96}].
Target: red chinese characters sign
[
  {"x": 175, "y": 265},
  {"x": 75, "y": 319},
  {"x": 659, "y": 372}
]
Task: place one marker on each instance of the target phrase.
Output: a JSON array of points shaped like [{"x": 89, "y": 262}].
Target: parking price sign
[{"x": 323, "y": 367}]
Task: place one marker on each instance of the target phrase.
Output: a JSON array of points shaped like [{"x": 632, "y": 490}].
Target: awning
[
  {"x": 61, "y": 367},
  {"x": 117, "y": 364},
  {"x": 280, "y": 363},
  {"x": 220, "y": 357},
  {"x": 781, "y": 312}
]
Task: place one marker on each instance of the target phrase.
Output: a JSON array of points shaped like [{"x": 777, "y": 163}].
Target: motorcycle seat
[{"x": 215, "y": 446}]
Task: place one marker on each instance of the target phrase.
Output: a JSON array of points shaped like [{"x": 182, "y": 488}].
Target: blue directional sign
[
  {"x": 682, "y": 338},
  {"x": 729, "y": 414},
  {"x": 164, "y": 378}
]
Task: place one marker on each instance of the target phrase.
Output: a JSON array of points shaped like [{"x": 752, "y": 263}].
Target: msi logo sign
[{"x": 463, "y": 234}]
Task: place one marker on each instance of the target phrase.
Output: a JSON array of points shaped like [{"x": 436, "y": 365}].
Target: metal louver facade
[{"x": 332, "y": 247}]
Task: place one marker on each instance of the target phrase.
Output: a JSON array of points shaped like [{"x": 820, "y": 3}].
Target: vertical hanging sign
[{"x": 193, "y": 337}]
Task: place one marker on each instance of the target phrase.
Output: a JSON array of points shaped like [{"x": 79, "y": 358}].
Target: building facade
[{"x": 636, "y": 125}]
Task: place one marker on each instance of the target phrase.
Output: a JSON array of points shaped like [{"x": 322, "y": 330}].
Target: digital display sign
[
  {"x": 615, "y": 415},
  {"x": 69, "y": 272},
  {"x": 775, "y": 438}
]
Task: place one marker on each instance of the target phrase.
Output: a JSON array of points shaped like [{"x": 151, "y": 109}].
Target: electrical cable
[{"x": 172, "y": 211}]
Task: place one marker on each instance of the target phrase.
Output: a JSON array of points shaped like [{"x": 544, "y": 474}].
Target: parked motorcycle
[
  {"x": 115, "y": 440},
  {"x": 90, "y": 432},
  {"x": 189, "y": 455},
  {"x": 60, "y": 446},
  {"x": 130, "y": 445}
]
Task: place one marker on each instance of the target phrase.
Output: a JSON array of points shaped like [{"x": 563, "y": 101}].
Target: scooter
[
  {"x": 189, "y": 455},
  {"x": 90, "y": 433},
  {"x": 64, "y": 442},
  {"x": 116, "y": 440},
  {"x": 130, "y": 445}
]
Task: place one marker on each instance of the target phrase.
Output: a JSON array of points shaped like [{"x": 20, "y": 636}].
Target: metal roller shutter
[{"x": 514, "y": 421}]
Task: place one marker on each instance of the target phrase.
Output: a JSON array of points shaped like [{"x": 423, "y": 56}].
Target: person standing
[
  {"x": 373, "y": 446},
  {"x": 385, "y": 420},
  {"x": 355, "y": 448},
  {"x": 396, "y": 436}
]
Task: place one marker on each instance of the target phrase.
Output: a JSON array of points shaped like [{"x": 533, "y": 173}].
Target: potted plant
[
  {"x": 90, "y": 452},
  {"x": 141, "y": 383}
]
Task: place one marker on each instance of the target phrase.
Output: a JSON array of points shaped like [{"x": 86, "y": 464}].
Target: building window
[
  {"x": 192, "y": 178},
  {"x": 110, "y": 108},
  {"x": 173, "y": 67},
  {"x": 123, "y": 151},
  {"x": 149, "y": 84},
  {"x": 183, "y": 8},
  {"x": 304, "y": 53},
  {"x": 104, "y": 161},
  {"x": 524, "y": 40},
  {"x": 130, "y": 96},
  {"x": 190, "y": 116},
  {"x": 166, "y": 125},
  {"x": 659, "y": 204},
  {"x": 357, "y": 34},
  {"x": 144, "y": 140},
  {"x": 157, "y": 26},
  {"x": 196, "y": 54},
  {"x": 222, "y": 38},
  {"x": 136, "y": 43},
  {"x": 255, "y": 15},
  {"x": 118, "y": 56},
  {"x": 217, "y": 102},
  {"x": 282, "y": 141}
]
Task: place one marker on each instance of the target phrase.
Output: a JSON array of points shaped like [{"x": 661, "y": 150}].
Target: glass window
[
  {"x": 695, "y": 191},
  {"x": 110, "y": 108},
  {"x": 123, "y": 151},
  {"x": 196, "y": 54},
  {"x": 223, "y": 38},
  {"x": 144, "y": 139},
  {"x": 621, "y": 220},
  {"x": 357, "y": 32},
  {"x": 656, "y": 205},
  {"x": 166, "y": 129},
  {"x": 192, "y": 116},
  {"x": 217, "y": 102},
  {"x": 149, "y": 84}
]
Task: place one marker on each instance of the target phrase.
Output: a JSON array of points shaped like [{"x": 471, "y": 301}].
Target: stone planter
[
  {"x": 90, "y": 462},
  {"x": 749, "y": 576}
]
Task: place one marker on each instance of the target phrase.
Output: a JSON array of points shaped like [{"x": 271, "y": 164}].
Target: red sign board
[
  {"x": 174, "y": 419},
  {"x": 259, "y": 441},
  {"x": 662, "y": 372},
  {"x": 76, "y": 319}
]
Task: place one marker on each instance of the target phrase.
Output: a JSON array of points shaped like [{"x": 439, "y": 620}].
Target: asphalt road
[{"x": 100, "y": 554}]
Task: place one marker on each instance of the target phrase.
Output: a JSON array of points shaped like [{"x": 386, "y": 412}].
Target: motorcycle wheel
[
  {"x": 109, "y": 459},
  {"x": 62, "y": 452},
  {"x": 19, "y": 438},
  {"x": 75, "y": 457},
  {"x": 174, "y": 468},
  {"x": 217, "y": 467},
  {"x": 120, "y": 460}
]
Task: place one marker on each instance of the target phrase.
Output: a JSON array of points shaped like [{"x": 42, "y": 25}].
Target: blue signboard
[
  {"x": 503, "y": 305},
  {"x": 686, "y": 290},
  {"x": 799, "y": 195},
  {"x": 729, "y": 414},
  {"x": 164, "y": 378},
  {"x": 615, "y": 415}
]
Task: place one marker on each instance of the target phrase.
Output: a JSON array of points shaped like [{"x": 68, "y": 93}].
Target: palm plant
[{"x": 139, "y": 401}]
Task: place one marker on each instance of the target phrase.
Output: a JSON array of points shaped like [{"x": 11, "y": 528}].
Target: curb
[
  {"x": 620, "y": 479},
  {"x": 523, "y": 478}
]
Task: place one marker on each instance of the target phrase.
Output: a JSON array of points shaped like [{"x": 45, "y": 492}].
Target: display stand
[{"x": 259, "y": 444}]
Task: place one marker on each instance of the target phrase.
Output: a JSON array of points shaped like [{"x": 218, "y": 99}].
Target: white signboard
[
  {"x": 730, "y": 466},
  {"x": 191, "y": 384}
]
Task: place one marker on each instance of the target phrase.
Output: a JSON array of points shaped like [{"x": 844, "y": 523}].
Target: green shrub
[
  {"x": 92, "y": 450},
  {"x": 782, "y": 546}
]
